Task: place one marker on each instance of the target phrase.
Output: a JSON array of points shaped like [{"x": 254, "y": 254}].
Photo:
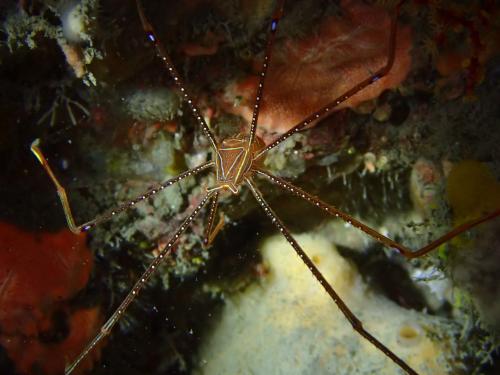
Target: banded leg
[
  {"x": 210, "y": 231},
  {"x": 61, "y": 191},
  {"x": 166, "y": 251},
  {"x": 323, "y": 112},
  {"x": 355, "y": 322},
  {"x": 403, "y": 250},
  {"x": 278, "y": 13},
  {"x": 162, "y": 53}
]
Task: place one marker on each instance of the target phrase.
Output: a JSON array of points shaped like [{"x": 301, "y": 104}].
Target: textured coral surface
[
  {"x": 122, "y": 127},
  {"x": 39, "y": 274},
  {"x": 310, "y": 72},
  {"x": 286, "y": 325}
]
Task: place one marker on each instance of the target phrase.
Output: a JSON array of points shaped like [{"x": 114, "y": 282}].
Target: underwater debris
[
  {"x": 40, "y": 274},
  {"x": 339, "y": 55}
]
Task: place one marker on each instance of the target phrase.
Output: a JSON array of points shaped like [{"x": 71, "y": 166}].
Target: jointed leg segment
[
  {"x": 325, "y": 111},
  {"x": 166, "y": 251},
  {"x": 61, "y": 191},
  {"x": 267, "y": 58},
  {"x": 210, "y": 230},
  {"x": 355, "y": 322},
  {"x": 212, "y": 197},
  {"x": 162, "y": 53},
  {"x": 408, "y": 253}
]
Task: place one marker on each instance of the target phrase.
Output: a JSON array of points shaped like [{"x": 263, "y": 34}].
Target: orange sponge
[
  {"x": 308, "y": 73},
  {"x": 39, "y": 274}
]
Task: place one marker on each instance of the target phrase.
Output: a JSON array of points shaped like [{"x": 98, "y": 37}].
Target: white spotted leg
[
  {"x": 326, "y": 110},
  {"x": 355, "y": 322},
  {"x": 167, "y": 61},
  {"x": 61, "y": 191},
  {"x": 278, "y": 13},
  {"x": 403, "y": 250},
  {"x": 167, "y": 251}
]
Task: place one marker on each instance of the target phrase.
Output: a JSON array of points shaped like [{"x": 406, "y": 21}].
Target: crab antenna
[
  {"x": 162, "y": 53},
  {"x": 278, "y": 13}
]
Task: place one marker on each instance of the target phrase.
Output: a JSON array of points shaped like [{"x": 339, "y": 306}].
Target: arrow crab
[{"x": 238, "y": 163}]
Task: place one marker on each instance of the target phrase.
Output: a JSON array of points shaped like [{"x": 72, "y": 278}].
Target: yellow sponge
[{"x": 472, "y": 190}]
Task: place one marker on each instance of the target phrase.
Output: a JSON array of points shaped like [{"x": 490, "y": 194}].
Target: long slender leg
[
  {"x": 61, "y": 191},
  {"x": 210, "y": 230},
  {"x": 278, "y": 13},
  {"x": 166, "y": 251},
  {"x": 408, "y": 253},
  {"x": 162, "y": 52},
  {"x": 342, "y": 98},
  {"x": 355, "y": 322}
]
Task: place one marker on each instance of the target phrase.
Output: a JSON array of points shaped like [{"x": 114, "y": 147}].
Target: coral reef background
[{"x": 414, "y": 155}]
